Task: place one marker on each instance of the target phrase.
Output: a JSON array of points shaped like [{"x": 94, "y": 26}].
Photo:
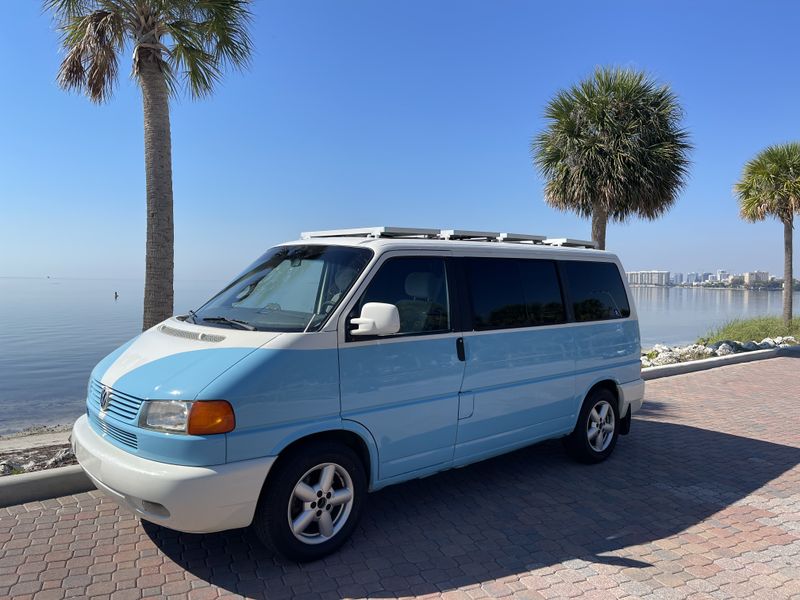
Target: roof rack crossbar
[
  {"x": 522, "y": 238},
  {"x": 461, "y": 234},
  {"x": 570, "y": 243}
]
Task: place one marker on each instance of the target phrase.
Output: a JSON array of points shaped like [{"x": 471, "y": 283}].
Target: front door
[{"x": 404, "y": 388}]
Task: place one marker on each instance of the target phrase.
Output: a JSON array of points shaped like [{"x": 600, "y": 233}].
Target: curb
[
  {"x": 43, "y": 485},
  {"x": 694, "y": 366}
]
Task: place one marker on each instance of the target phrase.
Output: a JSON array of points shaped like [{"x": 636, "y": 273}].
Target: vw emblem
[{"x": 105, "y": 398}]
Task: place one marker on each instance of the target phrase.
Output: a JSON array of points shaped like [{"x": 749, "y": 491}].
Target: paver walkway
[{"x": 702, "y": 500}]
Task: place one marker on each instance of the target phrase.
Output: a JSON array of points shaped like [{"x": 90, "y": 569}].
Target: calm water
[{"x": 53, "y": 331}]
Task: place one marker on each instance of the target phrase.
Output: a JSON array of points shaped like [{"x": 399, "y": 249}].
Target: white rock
[
  {"x": 725, "y": 349},
  {"x": 665, "y": 358}
]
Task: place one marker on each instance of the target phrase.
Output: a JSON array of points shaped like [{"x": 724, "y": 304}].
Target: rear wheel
[
  {"x": 598, "y": 427},
  {"x": 311, "y": 502}
]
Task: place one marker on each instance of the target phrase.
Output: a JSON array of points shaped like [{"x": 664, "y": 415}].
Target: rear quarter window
[{"x": 596, "y": 291}]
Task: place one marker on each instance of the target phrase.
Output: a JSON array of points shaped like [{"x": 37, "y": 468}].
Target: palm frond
[
  {"x": 614, "y": 141},
  {"x": 208, "y": 36},
  {"x": 770, "y": 184},
  {"x": 92, "y": 43}
]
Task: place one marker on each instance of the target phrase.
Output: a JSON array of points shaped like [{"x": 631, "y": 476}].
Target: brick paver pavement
[{"x": 702, "y": 500}]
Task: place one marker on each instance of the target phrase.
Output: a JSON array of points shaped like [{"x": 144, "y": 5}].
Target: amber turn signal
[{"x": 210, "y": 416}]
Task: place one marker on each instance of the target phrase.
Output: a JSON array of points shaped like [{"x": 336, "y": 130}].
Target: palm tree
[
  {"x": 613, "y": 148},
  {"x": 174, "y": 43},
  {"x": 770, "y": 187}
]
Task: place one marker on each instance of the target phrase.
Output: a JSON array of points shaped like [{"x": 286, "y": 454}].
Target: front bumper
[
  {"x": 190, "y": 499},
  {"x": 631, "y": 394}
]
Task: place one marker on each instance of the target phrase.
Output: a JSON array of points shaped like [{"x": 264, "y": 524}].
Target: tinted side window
[
  {"x": 542, "y": 292},
  {"x": 417, "y": 286},
  {"x": 496, "y": 291},
  {"x": 596, "y": 291}
]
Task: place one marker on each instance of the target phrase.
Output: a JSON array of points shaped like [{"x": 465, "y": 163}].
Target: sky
[{"x": 372, "y": 112}]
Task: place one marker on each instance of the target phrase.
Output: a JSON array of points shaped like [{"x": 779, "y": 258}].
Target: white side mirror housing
[{"x": 377, "y": 318}]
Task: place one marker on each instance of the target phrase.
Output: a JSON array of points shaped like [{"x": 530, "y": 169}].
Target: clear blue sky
[{"x": 373, "y": 112}]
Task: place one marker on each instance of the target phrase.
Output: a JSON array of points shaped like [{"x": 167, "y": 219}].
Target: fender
[
  {"x": 372, "y": 447},
  {"x": 581, "y": 394}
]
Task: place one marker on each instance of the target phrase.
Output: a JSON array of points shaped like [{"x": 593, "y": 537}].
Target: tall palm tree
[
  {"x": 770, "y": 187},
  {"x": 173, "y": 43},
  {"x": 613, "y": 148}
]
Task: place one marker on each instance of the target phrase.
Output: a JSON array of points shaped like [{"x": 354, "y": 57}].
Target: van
[{"x": 351, "y": 360}]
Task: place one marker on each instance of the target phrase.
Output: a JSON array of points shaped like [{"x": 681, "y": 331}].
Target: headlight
[
  {"x": 171, "y": 416},
  {"x": 204, "y": 417}
]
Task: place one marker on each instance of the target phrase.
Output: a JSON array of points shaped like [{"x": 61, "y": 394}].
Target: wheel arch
[
  {"x": 611, "y": 386},
  {"x": 351, "y": 434}
]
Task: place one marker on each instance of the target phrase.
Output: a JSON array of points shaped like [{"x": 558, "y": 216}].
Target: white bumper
[
  {"x": 191, "y": 499},
  {"x": 631, "y": 394}
]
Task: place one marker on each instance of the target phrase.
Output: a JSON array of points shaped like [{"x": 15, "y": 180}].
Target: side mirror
[{"x": 377, "y": 318}]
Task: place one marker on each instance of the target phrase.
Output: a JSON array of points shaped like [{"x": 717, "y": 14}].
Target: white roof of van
[{"x": 385, "y": 238}]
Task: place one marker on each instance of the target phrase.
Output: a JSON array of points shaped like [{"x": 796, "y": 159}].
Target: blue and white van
[{"x": 350, "y": 360}]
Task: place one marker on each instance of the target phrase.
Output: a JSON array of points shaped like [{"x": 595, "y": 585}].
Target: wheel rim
[
  {"x": 600, "y": 426},
  {"x": 320, "y": 503}
]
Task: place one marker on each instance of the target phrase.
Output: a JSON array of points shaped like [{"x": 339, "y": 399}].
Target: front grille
[
  {"x": 123, "y": 437},
  {"x": 121, "y": 406}
]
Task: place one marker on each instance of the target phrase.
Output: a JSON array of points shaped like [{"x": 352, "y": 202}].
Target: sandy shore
[{"x": 35, "y": 448}]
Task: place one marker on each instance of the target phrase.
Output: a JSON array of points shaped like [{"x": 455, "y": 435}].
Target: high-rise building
[
  {"x": 722, "y": 275},
  {"x": 752, "y": 277},
  {"x": 692, "y": 277},
  {"x": 648, "y": 277}
]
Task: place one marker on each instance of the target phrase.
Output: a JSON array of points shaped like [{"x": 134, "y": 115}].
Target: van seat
[{"x": 420, "y": 311}]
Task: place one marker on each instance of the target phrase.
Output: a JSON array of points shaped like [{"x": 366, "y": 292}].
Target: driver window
[{"x": 417, "y": 286}]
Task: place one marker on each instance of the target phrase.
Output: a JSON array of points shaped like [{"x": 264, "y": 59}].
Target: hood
[{"x": 175, "y": 360}]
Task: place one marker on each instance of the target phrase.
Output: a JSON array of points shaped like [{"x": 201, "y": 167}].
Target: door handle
[{"x": 462, "y": 356}]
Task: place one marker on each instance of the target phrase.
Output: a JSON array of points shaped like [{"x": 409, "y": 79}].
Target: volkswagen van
[{"x": 351, "y": 360}]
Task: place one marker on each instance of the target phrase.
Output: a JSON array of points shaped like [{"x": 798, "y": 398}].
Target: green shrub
[{"x": 745, "y": 330}]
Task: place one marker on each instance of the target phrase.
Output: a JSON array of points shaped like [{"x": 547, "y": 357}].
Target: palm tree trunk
[
  {"x": 788, "y": 279},
  {"x": 159, "y": 264},
  {"x": 599, "y": 221}
]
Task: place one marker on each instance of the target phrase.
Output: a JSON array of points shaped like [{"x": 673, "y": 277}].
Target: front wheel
[
  {"x": 596, "y": 432},
  {"x": 312, "y": 502}
]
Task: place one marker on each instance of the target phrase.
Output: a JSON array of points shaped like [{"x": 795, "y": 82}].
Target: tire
[
  {"x": 301, "y": 489},
  {"x": 588, "y": 442}
]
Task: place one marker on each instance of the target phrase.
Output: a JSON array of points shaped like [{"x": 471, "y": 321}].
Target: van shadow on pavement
[{"x": 532, "y": 508}]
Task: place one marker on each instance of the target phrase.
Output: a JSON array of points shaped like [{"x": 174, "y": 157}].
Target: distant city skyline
[
  {"x": 416, "y": 114},
  {"x": 664, "y": 278}
]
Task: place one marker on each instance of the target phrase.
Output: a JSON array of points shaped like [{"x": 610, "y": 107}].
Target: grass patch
[{"x": 745, "y": 330}]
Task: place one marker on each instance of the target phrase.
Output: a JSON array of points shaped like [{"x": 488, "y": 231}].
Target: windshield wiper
[{"x": 235, "y": 322}]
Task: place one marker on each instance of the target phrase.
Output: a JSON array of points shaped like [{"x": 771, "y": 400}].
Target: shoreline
[{"x": 37, "y": 429}]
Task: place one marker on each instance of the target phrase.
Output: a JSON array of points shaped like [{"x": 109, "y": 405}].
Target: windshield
[{"x": 290, "y": 288}]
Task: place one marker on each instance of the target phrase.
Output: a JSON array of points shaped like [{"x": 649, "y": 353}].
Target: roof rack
[{"x": 447, "y": 234}]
